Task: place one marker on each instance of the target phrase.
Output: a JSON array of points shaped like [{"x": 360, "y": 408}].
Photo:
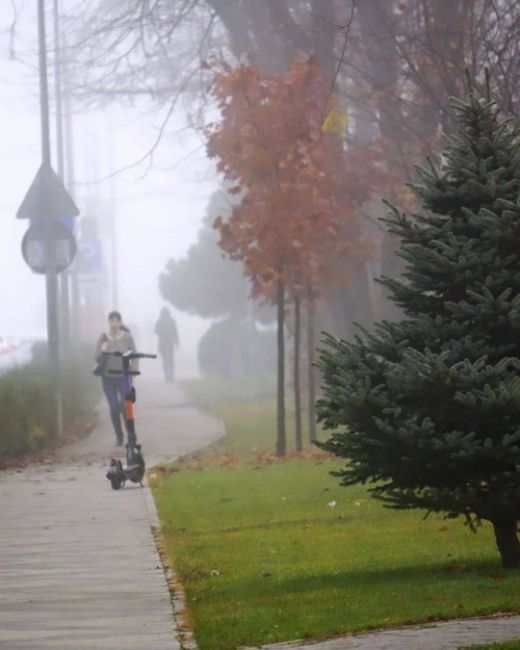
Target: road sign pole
[
  {"x": 51, "y": 278},
  {"x": 64, "y": 276}
]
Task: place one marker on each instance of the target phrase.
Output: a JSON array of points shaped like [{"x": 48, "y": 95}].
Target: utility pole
[
  {"x": 113, "y": 223},
  {"x": 70, "y": 175},
  {"x": 48, "y": 246},
  {"x": 51, "y": 276},
  {"x": 64, "y": 278},
  {"x": 113, "y": 250}
]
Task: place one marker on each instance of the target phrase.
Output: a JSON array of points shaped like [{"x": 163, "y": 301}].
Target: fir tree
[{"x": 427, "y": 410}]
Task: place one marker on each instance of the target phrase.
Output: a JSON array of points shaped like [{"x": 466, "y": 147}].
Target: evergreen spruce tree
[{"x": 427, "y": 410}]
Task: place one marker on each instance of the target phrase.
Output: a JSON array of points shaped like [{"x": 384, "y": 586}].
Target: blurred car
[
  {"x": 14, "y": 352},
  {"x": 6, "y": 346}
]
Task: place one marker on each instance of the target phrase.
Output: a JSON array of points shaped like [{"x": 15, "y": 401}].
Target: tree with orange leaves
[{"x": 277, "y": 145}]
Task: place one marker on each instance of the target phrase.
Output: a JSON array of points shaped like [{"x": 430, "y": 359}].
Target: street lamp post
[
  {"x": 65, "y": 277},
  {"x": 51, "y": 276}
]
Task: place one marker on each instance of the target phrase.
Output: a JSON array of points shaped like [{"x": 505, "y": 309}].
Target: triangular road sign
[{"x": 47, "y": 198}]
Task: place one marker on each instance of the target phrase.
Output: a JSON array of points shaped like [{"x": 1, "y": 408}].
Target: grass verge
[
  {"x": 506, "y": 645},
  {"x": 272, "y": 550}
]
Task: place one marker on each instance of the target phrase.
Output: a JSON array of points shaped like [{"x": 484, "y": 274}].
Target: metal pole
[
  {"x": 57, "y": 90},
  {"x": 113, "y": 223},
  {"x": 51, "y": 278},
  {"x": 113, "y": 228},
  {"x": 70, "y": 175},
  {"x": 44, "y": 91},
  {"x": 64, "y": 277}
]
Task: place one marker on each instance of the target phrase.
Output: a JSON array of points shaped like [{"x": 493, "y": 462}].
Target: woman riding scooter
[{"x": 117, "y": 338}]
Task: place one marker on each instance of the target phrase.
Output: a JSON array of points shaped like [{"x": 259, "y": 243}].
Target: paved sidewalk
[
  {"x": 438, "y": 636},
  {"x": 78, "y": 563}
]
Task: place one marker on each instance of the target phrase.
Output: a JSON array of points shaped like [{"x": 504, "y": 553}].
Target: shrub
[{"x": 26, "y": 402}]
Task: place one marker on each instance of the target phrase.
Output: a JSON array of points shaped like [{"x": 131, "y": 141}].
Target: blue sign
[{"x": 89, "y": 256}]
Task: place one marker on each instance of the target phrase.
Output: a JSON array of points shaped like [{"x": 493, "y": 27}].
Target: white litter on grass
[{"x": 331, "y": 504}]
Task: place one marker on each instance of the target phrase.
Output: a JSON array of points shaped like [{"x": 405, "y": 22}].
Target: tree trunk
[
  {"x": 311, "y": 373},
  {"x": 235, "y": 20},
  {"x": 280, "y": 433},
  {"x": 288, "y": 33},
  {"x": 507, "y": 542},
  {"x": 349, "y": 302},
  {"x": 378, "y": 29},
  {"x": 323, "y": 32},
  {"x": 297, "y": 387}
]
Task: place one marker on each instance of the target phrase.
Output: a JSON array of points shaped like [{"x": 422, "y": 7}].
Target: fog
[
  {"x": 157, "y": 207},
  {"x": 384, "y": 93}
]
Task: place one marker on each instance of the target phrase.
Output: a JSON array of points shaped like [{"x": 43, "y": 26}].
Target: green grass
[
  {"x": 204, "y": 392},
  {"x": 507, "y": 645},
  {"x": 264, "y": 556},
  {"x": 239, "y": 402}
]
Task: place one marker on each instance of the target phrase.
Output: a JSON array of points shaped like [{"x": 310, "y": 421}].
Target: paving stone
[
  {"x": 439, "y": 636},
  {"x": 78, "y": 564}
]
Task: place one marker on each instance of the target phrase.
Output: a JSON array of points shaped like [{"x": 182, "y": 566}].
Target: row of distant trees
[
  {"x": 239, "y": 343},
  {"x": 361, "y": 86},
  {"x": 392, "y": 63},
  {"x": 325, "y": 106}
]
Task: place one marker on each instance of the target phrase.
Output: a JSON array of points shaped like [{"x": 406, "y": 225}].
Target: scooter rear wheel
[
  {"x": 116, "y": 482},
  {"x": 137, "y": 474}
]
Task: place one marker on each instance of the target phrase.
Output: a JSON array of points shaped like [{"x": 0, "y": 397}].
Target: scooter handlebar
[{"x": 132, "y": 355}]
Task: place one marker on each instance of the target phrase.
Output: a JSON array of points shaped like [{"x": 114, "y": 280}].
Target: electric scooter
[{"x": 135, "y": 466}]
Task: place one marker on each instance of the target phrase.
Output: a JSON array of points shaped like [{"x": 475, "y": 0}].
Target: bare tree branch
[{"x": 346, "y": 31}]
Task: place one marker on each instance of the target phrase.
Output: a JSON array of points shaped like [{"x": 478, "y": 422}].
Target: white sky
[{"x": 157, "y": 217}]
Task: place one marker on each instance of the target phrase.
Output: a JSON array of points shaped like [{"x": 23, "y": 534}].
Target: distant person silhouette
[{"x": 168, "y": 339}]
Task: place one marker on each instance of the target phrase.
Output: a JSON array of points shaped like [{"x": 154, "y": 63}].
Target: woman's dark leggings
[{"x": 113, "y": 387}]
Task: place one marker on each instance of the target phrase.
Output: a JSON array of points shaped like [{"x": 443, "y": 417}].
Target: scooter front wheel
[{"x": 116, "y": 482}]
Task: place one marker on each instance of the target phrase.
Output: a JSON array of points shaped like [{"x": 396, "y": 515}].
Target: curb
[{"x": 183, "y": 629}]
